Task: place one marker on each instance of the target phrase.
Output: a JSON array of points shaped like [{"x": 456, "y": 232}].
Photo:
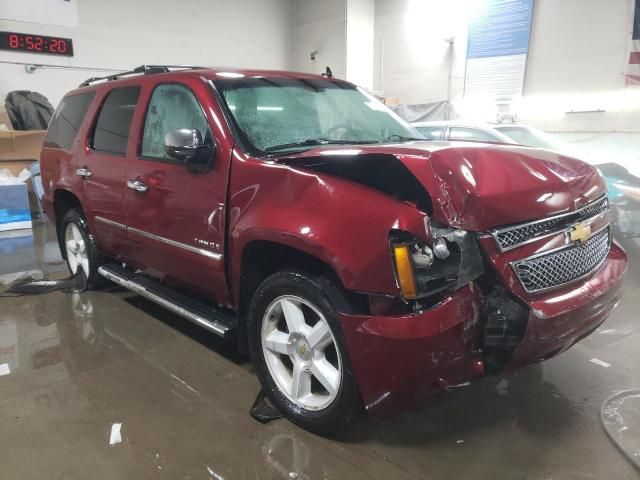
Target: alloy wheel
[
  {"x": 76, "y": 248},
  {"x": 301, "y": 353}
]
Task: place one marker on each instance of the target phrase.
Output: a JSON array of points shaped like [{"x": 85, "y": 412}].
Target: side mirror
[{"x": 187, "y": 145}]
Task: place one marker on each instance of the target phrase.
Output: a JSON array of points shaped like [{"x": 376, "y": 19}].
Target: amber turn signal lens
[{"x": 405, "y": 271}]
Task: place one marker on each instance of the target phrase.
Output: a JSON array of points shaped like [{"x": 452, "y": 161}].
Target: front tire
[
  {"x": 79, "y": 247},
  {"x": 298, "y": 347}
]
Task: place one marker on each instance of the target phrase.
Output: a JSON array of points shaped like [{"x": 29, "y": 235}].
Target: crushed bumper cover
[{"x": 397, "y": 360}]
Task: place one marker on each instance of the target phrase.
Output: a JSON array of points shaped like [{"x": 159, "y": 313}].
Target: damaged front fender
[{"x": 344, "y": 224}]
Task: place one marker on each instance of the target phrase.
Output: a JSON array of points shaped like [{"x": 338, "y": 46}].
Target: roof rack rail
[{"x": 141, "y": 70}]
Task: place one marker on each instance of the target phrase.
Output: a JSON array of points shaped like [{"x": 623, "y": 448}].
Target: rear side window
[
  {"x": 66, "y": 121},
  {"x": 114, "y": 122}
]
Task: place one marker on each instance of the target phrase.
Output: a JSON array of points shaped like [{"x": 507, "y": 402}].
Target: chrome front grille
[
  {"x": 565, "y": 265},
  {"x": 511, "y": 237}
]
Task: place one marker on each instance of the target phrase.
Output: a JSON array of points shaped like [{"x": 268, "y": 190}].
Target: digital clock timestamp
[{"x": 28, "y": 42}]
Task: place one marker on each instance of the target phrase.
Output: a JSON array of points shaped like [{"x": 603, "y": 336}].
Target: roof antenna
[{"x": 328, "y": 73}]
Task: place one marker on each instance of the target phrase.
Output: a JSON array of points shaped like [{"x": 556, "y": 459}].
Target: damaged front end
[
  {"x": 450, "y": 262},
  {"x": 431, "y": 266},
  {"x": 465, "y": 307}
]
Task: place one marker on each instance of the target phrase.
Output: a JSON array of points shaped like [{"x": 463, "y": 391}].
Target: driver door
[{"x": 175, "y": 218}]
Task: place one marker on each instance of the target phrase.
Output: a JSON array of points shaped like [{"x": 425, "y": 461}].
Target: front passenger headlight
[{"x": 422, "y": 270}]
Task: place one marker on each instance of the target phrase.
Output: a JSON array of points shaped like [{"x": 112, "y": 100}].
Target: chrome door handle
[
  {"x": 84, "y": 172},
  {"x": 137, "y": 185}
]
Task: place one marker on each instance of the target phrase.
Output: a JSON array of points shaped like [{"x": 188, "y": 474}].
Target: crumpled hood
[
  {"x": 483, "y": 186},
  {"x": 477, "y": 187}
]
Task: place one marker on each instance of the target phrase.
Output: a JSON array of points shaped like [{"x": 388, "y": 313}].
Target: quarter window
[
  {"x": 112, "y": 129},
  {"x": 172, "y": 107},
  {"x": 67, "y": 120}
]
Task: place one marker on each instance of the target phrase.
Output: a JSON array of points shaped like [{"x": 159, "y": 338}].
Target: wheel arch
[
  {"x": 263, "y": 258},
  {"x": 63, "y": 201}
]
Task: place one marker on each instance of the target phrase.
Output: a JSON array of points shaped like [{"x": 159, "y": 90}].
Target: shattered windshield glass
[{"x": 283, "y": 114}]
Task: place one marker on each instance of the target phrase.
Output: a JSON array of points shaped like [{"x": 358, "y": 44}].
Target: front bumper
[
  {"x": 398, "y": 360},
  {"x": 561, "y": 318}
]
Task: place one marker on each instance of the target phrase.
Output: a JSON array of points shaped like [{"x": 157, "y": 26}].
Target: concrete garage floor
[{"x": 78, "y": 364}]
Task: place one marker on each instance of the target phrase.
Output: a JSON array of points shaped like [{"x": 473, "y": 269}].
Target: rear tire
[
  {"x": 79, "y": 247},
  {"x": 296, "y": 341}
]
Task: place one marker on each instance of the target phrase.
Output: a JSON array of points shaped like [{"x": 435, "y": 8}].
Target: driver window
[{"x": 172, "y": 107}]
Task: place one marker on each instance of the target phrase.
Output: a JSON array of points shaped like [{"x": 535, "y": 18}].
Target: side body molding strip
[
  {"x": 158, "y": 238},
  {"x": 111, "y": 223}
]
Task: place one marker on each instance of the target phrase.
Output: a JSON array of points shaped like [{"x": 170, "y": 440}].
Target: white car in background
[
  {"x": 518, "y": 134},
  {"x": 621, "y": 172}
]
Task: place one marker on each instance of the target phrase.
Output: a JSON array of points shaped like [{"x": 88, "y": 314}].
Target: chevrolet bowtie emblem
[{"x": 580, "y": 233}]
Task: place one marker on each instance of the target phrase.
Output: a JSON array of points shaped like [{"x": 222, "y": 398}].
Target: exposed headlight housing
[
  {"x": 440, "y": 248},
  {"x": 422, "y": 256},
  {"x": 451, "y": 261}
]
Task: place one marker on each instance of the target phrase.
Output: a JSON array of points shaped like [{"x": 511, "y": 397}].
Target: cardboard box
[
  {"x": 16, "y": 166},
  {"x": 21, "y": 145},
  {"x": 391, "y": 101},
  {"x": 15, "y": 213}
]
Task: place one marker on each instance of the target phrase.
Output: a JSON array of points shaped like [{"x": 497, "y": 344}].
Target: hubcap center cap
[{"x": 300, "y": 347}]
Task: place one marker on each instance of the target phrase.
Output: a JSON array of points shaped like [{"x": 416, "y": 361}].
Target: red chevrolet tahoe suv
[{"x": 361, "y": 267}]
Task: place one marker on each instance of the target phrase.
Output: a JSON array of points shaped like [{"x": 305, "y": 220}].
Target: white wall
[
  {"x": 319, "y": 25},
  {"x": 360, "y": 42},
  {"x": 411, "y": 55},
  {"x": 578, "y": 46},
  {"x": 341, "y": 32},
  {"x": 577, "y": 58},
  {"x": 122, "y": 34}
]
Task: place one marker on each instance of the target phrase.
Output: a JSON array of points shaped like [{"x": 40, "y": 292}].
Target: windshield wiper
[
  {"x": 309, "y": 142},
  {"x": 401, "y": 138}
]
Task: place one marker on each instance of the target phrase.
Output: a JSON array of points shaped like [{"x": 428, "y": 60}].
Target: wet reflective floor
[{"x": 107, "y": 385}]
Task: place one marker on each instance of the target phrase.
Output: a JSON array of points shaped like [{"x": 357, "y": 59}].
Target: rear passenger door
[
  {"x": 102, "y": 168},
  {"x": 176, "y": 218},
  {"x": 61, "y": 149}
]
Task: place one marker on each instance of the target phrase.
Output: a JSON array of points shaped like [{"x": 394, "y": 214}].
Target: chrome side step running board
[{"x": 216, "y": 321}]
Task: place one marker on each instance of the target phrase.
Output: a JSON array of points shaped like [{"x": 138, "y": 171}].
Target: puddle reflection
[{"x": 286, "y": 456}]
